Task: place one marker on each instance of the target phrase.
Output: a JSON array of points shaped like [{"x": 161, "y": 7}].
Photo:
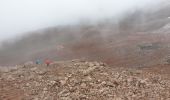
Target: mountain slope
[
  {"x": 114, "y": 42},
  {"x": 76, "y": 79}
]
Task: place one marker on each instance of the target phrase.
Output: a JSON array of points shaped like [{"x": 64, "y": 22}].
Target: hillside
[
  {"x": 118, "y": 58},
  {"x": 82, "y": 80},
  {"x": 116, "y": 42}
]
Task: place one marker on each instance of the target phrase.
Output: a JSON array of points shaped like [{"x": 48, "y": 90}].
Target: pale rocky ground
[{"x": 81, "y": 80}]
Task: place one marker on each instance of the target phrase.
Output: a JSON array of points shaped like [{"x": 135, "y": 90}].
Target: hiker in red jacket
[{"x": 48, "y": 62}]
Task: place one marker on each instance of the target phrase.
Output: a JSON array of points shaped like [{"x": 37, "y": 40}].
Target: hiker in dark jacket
[{"x": 38, "y": 62}]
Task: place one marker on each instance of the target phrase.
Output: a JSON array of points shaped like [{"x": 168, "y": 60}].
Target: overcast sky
[{"x": 19, "y": 16}]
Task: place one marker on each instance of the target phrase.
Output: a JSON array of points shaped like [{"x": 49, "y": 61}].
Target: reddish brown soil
[
  {"x": 119, "y": 51},
  {"x": 77, "y": 80}
]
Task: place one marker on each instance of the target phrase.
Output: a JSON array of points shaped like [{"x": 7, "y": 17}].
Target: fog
[{"x": 18, "y": 17}]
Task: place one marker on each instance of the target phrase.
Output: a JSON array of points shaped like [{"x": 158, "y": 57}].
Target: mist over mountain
[
  {"x": 19, "y": 17},
  {"x": 56, "y": 42},
  {"x": 84, "y": 49}
]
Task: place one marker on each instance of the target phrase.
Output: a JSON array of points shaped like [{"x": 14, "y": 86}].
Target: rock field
[{"x": 81, "y": 80}]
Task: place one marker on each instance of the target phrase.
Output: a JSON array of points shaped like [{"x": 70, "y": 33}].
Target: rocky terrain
[
  {"x": 126, "y": 59},
  {"x": 82, "y": 80}
]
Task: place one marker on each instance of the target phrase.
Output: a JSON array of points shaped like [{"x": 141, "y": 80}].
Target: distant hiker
[
  {"x": 48, "y": 62},
  {"x": 38, "y": 62}
]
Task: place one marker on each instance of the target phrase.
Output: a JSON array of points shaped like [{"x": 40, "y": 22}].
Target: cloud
[{"x": 20, "y": 16}]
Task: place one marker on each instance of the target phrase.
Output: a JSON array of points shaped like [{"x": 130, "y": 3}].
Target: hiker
[
  {"x": 38, "y": 62},
  {"x": 48, "y": 62}
]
